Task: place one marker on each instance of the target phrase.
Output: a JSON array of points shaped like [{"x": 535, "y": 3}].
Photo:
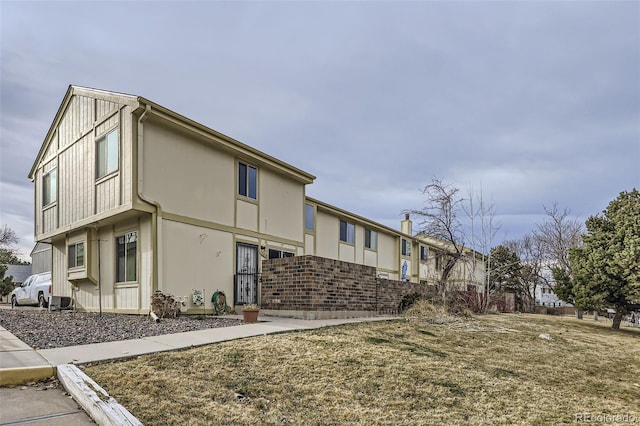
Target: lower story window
[
  {"x": 126, "y": 257},
  {"x": 277, "y": 254},
  {"x": 76, "y": 255}
]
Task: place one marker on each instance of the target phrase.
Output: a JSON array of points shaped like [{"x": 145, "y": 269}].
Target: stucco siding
[
  {"x": 196, "y": 258},
  {"x": 281, "y": 206},
  {"x": 327, "y": 235},
  {"x": 186, "y": 176},
  {"x": 246, "y": 215}
]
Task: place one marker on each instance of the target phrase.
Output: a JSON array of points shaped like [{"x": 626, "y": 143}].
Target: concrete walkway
[{"x": 19, "y": 363}]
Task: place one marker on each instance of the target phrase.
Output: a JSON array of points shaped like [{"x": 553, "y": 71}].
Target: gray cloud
[{"x": 536, "y": 102}]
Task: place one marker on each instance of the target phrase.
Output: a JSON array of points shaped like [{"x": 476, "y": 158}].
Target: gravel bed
[{"x": 42, "y": 329}]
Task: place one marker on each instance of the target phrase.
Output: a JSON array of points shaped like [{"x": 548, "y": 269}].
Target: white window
[
  {"x": 370, "y": 239},
  {"x": 76, "y": 255},
  {"x": 50, "y": 187},
  {"x": 247, "y": 181},
  {"x": 406, "y": 247},
  {"x": 424, "y": 252},
  {"x": 309, "y": 217},
  {"x": 347, "y": 232},
  {"x": 107, "y": 154},
  {"x": 126, "y": 257},
  {"x": 277, "y": 254}
]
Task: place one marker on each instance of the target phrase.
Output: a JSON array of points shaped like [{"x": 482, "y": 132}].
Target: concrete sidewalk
[{"x": 19, "y": 363}]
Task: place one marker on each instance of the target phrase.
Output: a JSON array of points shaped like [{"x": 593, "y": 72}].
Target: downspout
[{"x": 156, "y": 217}]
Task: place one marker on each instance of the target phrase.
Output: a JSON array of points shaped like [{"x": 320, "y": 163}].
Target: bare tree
[
  {"x": 439, "y": 219},
  {"x": 483, "y": 228},
  {"x": 8, "y": 237},
  {"x": 556, "y": 235},
  {"x": 532, "y": 274},
  {"x": 8, "y": 255},
  {"x": 8, "y": 252}
]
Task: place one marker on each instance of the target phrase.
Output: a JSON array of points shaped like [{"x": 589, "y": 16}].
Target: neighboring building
[
  {"x": 41, "y": 258},
  {"x": 547, "y": 298},
  {"x": 134, "y": 198}
]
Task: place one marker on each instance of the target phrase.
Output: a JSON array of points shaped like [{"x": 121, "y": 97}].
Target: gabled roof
[
  {"x": 141, "y": 104},
  {"x": 80, "y": 91}
]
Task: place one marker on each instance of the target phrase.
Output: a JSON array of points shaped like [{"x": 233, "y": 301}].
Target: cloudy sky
[{"x": 530, "y": 102}]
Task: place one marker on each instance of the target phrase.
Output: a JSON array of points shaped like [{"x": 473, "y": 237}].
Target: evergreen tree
[{"x": 606, "y": 269}]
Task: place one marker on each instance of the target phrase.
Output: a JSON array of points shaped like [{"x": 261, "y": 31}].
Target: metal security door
[{"x": 246, "y": 285}]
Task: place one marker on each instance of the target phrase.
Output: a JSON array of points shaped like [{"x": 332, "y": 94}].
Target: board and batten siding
[{"x": 72, "y": 149}]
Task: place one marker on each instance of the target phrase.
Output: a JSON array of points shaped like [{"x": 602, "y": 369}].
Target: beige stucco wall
[
  {"x": 327, "y": 235},
  {"x": 195, "y": 257},
  {"x": 186, "y": 176},
  {"x": 281, "y": 203}
]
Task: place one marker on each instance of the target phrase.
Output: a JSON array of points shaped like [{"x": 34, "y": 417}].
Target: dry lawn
[{"x": 426, "y": 369}]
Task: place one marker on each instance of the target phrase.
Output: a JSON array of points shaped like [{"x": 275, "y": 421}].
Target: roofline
[
  {"x": 76, "y": 90},
  {"x": 359, "y": 218},
  {"x": 227, "y": 141},
  {"x": 139, "y": 102}
]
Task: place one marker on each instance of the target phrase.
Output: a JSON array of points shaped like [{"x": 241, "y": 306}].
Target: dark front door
[{"x": 246, "y": 274}]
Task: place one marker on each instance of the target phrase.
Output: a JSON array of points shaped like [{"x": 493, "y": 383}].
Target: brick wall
[{"x": 311, "y": 283}]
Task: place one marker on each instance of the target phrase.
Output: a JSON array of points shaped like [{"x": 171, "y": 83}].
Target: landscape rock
[{"x": 42, "y": 329}]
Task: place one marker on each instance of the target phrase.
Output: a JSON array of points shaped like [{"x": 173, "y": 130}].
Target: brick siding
[{"x": 312, "y": 283}]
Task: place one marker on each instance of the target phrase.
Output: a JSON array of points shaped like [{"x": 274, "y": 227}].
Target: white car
[{"x": 35, "y": 290}]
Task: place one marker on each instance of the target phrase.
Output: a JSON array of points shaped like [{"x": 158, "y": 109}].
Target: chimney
[{"x": 406, "y": 225}]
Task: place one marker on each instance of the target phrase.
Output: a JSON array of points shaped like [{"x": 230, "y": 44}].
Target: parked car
[{"x": 35, "y": 290}]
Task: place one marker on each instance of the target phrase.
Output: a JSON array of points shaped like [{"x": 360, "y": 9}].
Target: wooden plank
[{"x": 93, "y": 399}]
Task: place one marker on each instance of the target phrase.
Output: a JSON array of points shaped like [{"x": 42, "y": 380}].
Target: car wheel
[
  {"x": 14, "y": 302},
  {"x": 42, "y": 301}
]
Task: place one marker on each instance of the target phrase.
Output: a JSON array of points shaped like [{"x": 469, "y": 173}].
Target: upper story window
[
  {"x": 50, "y": 187},
  {"x": 126, "y": 257},
  {"x": 438, "y": 261},
  {"x": 76, "y": 255},
  {"x": 247, "y": 181},
  {"x": 309, "y": 217},
  {"x": 107, "y": 154},
  {"x": 406, "y": 247},
  {"x": 424, "y": 252},
  {"x": 370, "y": 239},
  {"x": 347, "y": 232}
]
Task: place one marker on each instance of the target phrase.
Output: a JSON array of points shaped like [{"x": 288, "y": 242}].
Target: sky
[{"x": 527, "y": 103}]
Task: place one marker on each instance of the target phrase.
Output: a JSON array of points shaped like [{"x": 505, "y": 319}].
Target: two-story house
[{"x": 135, "y": 198}]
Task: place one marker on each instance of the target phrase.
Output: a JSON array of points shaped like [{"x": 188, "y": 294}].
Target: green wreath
[{"x": 219, "y": 300}]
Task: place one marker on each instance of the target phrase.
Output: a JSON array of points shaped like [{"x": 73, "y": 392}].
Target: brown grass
[{"x": 428, "y": 368}]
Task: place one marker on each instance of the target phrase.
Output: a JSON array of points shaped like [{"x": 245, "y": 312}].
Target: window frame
[
  {"x": 50, "y": 187},
  {"x": 370, "y": 239},
  {"x": 247, "y": 181},
  {"x": 347, "y": 237},
  {"x": 279, "y": 253},
  {"x": 424, "y": 253},
  {"x": 109, "y": 168},
  {"x": 126, "y": 258},
  {"x": 405, "y": 247},
  {"x": 75, "y": 247},
  {"x": 309, "y": 208}
]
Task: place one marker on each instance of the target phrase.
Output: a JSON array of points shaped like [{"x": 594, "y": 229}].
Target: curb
[
  {"x": 94, "y": 400},
  {"x": 20, "y": 375}
]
